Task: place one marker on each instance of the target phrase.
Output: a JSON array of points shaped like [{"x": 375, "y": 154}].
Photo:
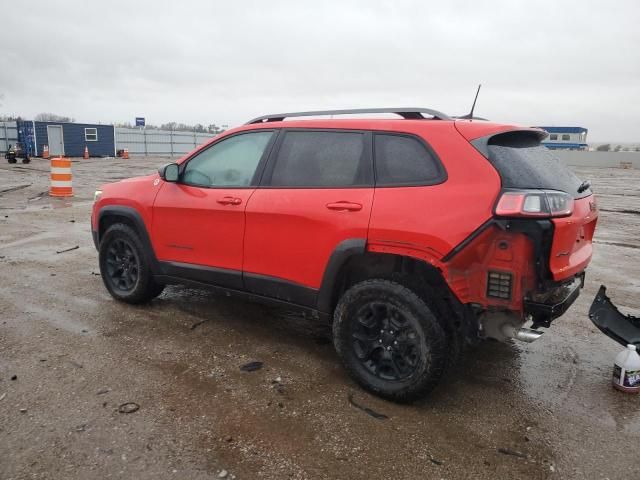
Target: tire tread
[
  {"x": 432, "y": 329},
  {"x": 147, "y": 288}
]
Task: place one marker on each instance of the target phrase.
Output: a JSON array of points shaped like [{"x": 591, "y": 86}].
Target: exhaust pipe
[
  {"x": 523, "y": 334},
  {"x": 528, "y": 335}
]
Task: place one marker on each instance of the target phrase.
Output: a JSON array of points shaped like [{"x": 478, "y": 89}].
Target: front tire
[
  {"x": 125, "y": 266},
  {"x": 389, "y": 340}
]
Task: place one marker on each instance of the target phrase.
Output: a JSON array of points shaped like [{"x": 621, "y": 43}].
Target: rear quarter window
[
  {"x": 523, "y": 162},
  {"x": 405, "y": 160}
]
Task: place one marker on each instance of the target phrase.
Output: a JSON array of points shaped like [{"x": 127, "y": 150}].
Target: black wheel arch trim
[
  {"x": 135, "y": 218},
  {"x": 341, "y": 254}
]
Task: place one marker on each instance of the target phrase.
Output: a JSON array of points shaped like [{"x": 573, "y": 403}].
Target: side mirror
[{"x": 170, "y": 172}]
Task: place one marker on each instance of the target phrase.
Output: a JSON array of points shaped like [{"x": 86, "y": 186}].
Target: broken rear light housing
[{"x": 534, "y": 203}]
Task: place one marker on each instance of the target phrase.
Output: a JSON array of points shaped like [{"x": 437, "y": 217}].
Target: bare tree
[
  {"x": 181, "y": 127},
  {"x": 213, "y": 128},
  {"x": 52, "y": 117},
  {"x": 169, "y": 126}
]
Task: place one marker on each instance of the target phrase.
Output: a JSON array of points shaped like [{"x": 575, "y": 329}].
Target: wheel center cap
[{"x": 387, "y": 338}]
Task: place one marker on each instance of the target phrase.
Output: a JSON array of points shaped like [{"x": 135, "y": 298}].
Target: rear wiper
[{"x": 584, "y": 186}]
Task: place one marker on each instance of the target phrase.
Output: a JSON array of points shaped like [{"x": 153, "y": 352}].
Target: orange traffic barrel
[
  {"x": 61, "y": 178},
  {"x": 45, "y": 151},
  {"x": 125, "y": 153}
]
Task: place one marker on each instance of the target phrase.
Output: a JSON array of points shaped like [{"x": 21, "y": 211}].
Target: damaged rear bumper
[
  {"x": 624, "y": 329},
  {"x": 556, "y": 303}
]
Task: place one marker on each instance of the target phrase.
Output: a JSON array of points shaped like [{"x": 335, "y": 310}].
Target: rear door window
[
  {"x": 321, "y": 159},
  {"x": 405, "y": 160},
  {"x": 523, "y": 162}
]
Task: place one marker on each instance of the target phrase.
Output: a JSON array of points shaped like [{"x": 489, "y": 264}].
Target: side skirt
[
  {"x": 243, "y": 295},
  {"x": 280, "y": 289},
  {"x": 203, "y": 274},
  {"x": 262, "y": 285}
]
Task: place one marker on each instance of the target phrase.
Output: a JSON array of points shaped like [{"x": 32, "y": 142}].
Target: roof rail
[{"x": 407, "y": 113}]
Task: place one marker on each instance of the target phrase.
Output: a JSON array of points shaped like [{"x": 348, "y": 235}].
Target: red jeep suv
[{"x": 412, "y": 235}]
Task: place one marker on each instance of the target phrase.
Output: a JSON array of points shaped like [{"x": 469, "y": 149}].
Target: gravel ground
[{"x": 70, "y": 356}]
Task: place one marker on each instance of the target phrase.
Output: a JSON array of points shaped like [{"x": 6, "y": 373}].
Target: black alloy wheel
[
  {"x": 123, "y": 265},
  {"x": 385, "y": 341},
  {"x": 389, "y": 340}
]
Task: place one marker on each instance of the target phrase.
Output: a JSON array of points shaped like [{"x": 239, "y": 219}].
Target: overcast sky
[{"x": 540, "y": 63}]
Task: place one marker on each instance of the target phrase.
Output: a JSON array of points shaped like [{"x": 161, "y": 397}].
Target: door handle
[
  {"x": 229, "y": 201},
  {"x": 344, "y": 206}
]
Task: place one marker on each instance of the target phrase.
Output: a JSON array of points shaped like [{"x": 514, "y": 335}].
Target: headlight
[{"x": 96, "y": 195}]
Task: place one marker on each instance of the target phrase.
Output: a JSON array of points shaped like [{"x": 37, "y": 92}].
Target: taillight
[{"x": 534, "y": 203}]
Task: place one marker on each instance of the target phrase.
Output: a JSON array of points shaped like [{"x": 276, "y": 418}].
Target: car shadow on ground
[{"x": 256, "y": 329}]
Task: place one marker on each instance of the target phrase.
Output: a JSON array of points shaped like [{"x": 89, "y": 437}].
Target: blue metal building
[
  {"x": 567, "y": 138},
  {"x": 67, "y": 139}
]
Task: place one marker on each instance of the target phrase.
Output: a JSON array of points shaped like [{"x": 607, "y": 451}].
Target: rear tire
[
  {"x": 446, "y": 317},
  {"x": 125, "y": 266},
  {"x": 389, "y": 340}
]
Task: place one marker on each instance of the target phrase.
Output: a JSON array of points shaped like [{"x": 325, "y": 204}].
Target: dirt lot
[{"x": 540, "y": 410}]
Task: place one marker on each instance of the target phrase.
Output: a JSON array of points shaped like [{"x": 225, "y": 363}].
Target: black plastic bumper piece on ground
[
  {"x": 544, "y": 313},
  {"x": 624, "y": 329}
]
